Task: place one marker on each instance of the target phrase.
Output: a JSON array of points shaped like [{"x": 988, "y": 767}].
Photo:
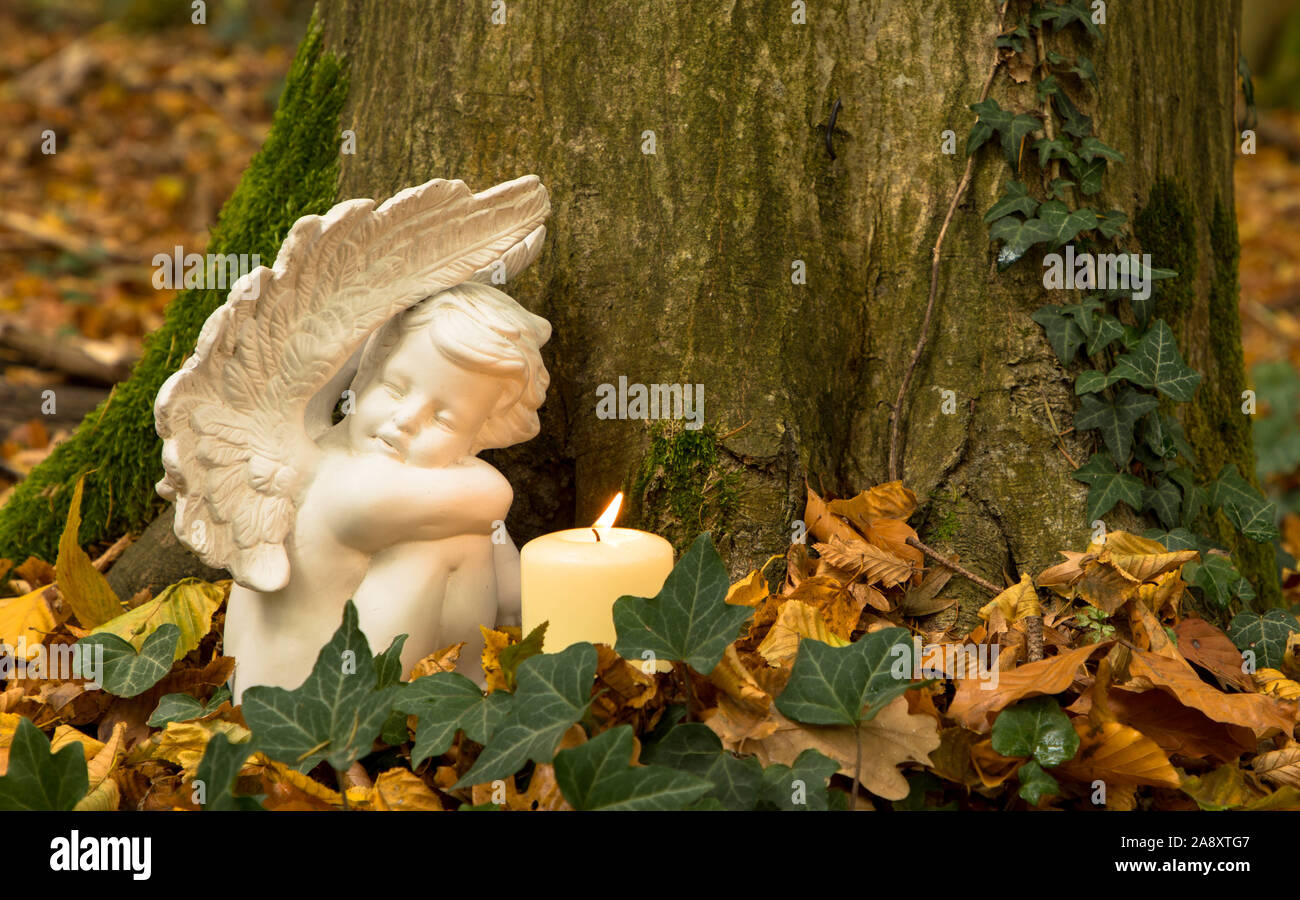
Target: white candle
[{"x": 572, "y": 578}]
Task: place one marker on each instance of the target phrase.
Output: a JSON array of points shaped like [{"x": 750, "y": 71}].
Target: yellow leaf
[
  {"x": 1142, "y": 559},
  {"x": 443, "y": 660},
  {"x": 750, "y": 590},
  {"x": 83, "y": 586},
  {"x": 1016, "y": 602},
  {"x": 796, "y": 620},
  {"x": 188, "y": 604},
  {"x": 1227, "y": 787},
  {"x": 105, "y": 761},
  {"x": 25, "y": 622},
  {"x": 278, "y": 771},
  {"x": 1118, "y": 754},
  {"x": 821, "y": 523},
  {"x": 1275, "y": 684},
  {"x": 493, "y": 643},
  {"x": 104, "y": 797},
  {"x": 184, "y": 743},
  {"x": 402, "y": 790},
  {"x": 66, "y": 734}
]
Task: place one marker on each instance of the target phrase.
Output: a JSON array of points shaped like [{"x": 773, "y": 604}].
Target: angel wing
[{"x": 235, "y": 418}]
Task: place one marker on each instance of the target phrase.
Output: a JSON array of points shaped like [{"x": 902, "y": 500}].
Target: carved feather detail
[{"x": 234, "y": 418}]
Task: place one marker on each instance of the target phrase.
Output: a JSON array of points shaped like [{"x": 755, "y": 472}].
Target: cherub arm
[{"x": 377, "y": 502}]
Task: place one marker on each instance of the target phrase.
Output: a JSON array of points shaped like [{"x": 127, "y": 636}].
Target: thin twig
[
  {"x": 948, "y": 563},
  {"x": 896, "y": 412}
]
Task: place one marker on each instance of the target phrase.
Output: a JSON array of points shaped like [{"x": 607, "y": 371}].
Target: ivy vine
[{"x": 1132, "y": 356}]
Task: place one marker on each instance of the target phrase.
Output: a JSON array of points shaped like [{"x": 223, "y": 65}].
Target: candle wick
[{"x": 597, "y": 534}]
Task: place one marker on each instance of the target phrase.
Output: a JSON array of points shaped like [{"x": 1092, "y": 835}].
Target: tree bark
[{"x": 675, "y": 266}]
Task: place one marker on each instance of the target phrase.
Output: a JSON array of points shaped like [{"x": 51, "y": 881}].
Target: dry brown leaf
[
  {"x": 972, "y": 705},
  {"x": 1203, "y": 645},
  {"x": 443, "y": 660},
  {"x": 629, "y": 685},
  {"x": 822, "y": 524},
  {"x": 892, "y": 535},
  {"x": 884, "y": 501},
  {"x": 990, "y": 766},
  {"x": 889, "y": 740},
  {"x": 1280, "y": 766},
  {"x": 493, "y": 643},
  {"x": 1105, "y": 586},
  {"x": 1147, "y": 631},
  {"x": 839, "y": 607},
  {"x": 866, "y": 561},
  {"x": 1142, "y": 559},
  {"x": 1117, "y": 754},
  {"x": 1261, "y": 714},
  {"x": 1062, "y": 577},
  {"x": 923, "y": 599},
  {"x": 952, "y": 760},
  {"x": 1176, "y": 728}
]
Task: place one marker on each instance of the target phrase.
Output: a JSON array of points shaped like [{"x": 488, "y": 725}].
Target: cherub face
[{"x": 421, "y": 408}]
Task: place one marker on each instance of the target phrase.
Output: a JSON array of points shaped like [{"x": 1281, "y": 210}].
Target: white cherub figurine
[{"x": 390, "y": 506}]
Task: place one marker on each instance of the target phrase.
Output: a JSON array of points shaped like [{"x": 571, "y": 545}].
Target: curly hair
[{"x": 484, "y": 330}]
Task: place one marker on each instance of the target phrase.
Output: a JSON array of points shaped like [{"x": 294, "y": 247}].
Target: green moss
[
  {"x": 684, "y": 488},
  {"x": 1166, "y": 228},
  {"x": 1216, "y": 421},
  {"x": 294, "y": 174}
]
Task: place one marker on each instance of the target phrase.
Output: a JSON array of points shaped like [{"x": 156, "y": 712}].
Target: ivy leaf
[
  {"x": 1265, "y": 634},
  {"x": 1090, "y": 381},
  {"x": 447, "y": 702},
  {"x": 1035, "y": 784},
  {"x": 1106, "y": 487},
  {"x": 1244, "y": 505},
  {"x": 689, "y": 620},
  {"x": 1163, "y": 499},
  {"x": 830, "y": 685},
  {"x": 1156, "y": 363},
  {"x": 1177, "y": 539},
  {"x": 38, "y": 779},
  {"x": 1015, "y": 199},
  {"x": 1115, "y": 419},
  {"x": 1218, "y": 579},
  {"x": 185, "y": 708},
  {"x": 554, "y": 692},
  {"x": 1062, "y": 15},
  {"x": 695, "y": 748},
  {"x": 217, "y": 771},
  {"x": 1111, "y": 224},
  {"x": 1012, "y": 126},
  {"x": 1057, "y": 224},
  {"x": 1058, "y": 186},
  {"x": 1105, "y": 331},
  {"x": 1091, "y": 148},
  {"x": 1036, "y": 728},
  {"x": 599, "y": 775},
  {"x": 1076, "y": 123},
  {"x": 1088, "y": 175},
  {"x": 126, "y": 673},
  {"x": 1014, "y": 40},
  {"x": 1054, "y": 149},
  {"x": 802, "y": 786},
  {"x": 1063, "y": 333},
  {"x": 337, "y": 712},
  {"x": 1084, "y": 69}
]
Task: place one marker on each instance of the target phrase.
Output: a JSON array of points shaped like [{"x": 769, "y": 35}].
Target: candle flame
[{"x": 607, "y": 518}]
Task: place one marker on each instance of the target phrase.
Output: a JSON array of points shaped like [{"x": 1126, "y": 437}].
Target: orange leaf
[
  {"x": 1261, "y": 714},
  {"x": 972, "y": 705},
  {"x": 1203, "y": 645},
  {"x": 1118, "y": 754}
]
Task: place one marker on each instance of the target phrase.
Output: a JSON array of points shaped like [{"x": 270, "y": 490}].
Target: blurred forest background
[{"x": 155, "y": 118}]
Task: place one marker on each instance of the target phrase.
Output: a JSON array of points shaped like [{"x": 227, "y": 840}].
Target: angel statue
[{"x": 389, "y": 505}]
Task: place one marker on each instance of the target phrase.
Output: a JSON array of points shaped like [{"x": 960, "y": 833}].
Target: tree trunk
[
  {"x": 693, "y": 172},
  {"x": 675, "y": 266}
]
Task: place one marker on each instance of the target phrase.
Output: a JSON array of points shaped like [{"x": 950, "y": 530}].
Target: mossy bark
[{"x": 675, "y": 266}]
